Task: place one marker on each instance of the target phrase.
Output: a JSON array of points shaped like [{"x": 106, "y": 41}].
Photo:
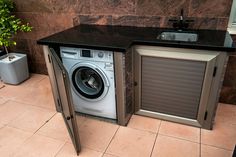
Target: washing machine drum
[{"x": 89, "y": 82}]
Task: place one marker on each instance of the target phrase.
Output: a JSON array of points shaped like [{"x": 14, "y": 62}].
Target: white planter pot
[{"x": 14, "y": 71}]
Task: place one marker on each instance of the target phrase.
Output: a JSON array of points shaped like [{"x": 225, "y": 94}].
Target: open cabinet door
[{"x": 64, "y": 95}]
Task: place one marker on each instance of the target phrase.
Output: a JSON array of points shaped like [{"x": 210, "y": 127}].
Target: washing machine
[{"x": 91, "y": 75}]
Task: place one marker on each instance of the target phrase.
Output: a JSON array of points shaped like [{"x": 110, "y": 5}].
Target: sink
[{"x": 178, "y": 36}]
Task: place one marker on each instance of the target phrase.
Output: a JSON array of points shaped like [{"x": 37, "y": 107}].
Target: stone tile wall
[
  {"x": 228, "y": 91},
  {"x": 50, "y": 16}
]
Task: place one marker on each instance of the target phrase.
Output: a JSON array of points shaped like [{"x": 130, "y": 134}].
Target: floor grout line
[
  {"x": 5, "y": 102},
  {"x": 60, "y": 149},
  {"x": 155, "y": 139},
  {"x": 217, "y": 147},
  {"x": 45, "y": 123},
  {"x": 210, "y": 144},
  {"x": 27, "y": 130},
  {"x": 25, "y": 103},
  {"x": 111, "y": 140},
  {"x": 14, "y": 153},
  {"x": 26, "y": 140},
  {"x": 200, "y": 147},
  {"x": 6, "y": 125},
  {"x": 19, "y": 129},
  {"x": 151, "y": 132},
  {"x": 110, "y": 154},
  {"x": 179, "y": 138}
]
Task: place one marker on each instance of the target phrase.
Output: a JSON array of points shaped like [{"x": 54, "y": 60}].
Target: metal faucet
[
  {"x": 182, "y": 14},
  {"x": 181, "y": 23}
]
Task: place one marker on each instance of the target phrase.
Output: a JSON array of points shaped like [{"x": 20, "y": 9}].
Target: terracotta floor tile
[
  {"x": 109, "y": 155},
  {"x": 135, "y": 140},
  {"x": 33, "y": 80},
  {"x": 69, "y": 151},
  {"x": 1, "y": 84},
  {"x": 32, "y": 119},
  {"x": 11, "y": 139},
  {"x": 226, "y": 108},
  {"x": 44, "y": 83},
  {"x": 55, "y": 128},
  {"x": 226, "y": 114},
  {"x": 222, "y": 136},
  {"x": 39, "y": 146},
  {"x": 39, "y": 95},
  {"x": 96, "y": 135},
  {"x": 209, "y": 151},
  {"x": 80, "y": 120},
  {"x": 2, "y": 125},
  {"x": 130, "y": 142},
  {"x": 13, "y": 92},
  {"x": 11, "y": 110},
  {"x": 180, "y": 131},
  {"x": 172, "y": 147},
  {"x": 144, "y": 123},
  {"x": 3, "y": 100}
]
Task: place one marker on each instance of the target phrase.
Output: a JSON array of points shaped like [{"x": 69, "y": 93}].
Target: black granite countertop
[{"x": 120, "y": 38}]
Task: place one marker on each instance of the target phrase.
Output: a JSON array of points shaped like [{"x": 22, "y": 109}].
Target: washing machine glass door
[{"x": 89, "y": 82}]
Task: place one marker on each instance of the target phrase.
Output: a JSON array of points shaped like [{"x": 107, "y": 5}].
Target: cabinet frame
[
  {"x": 61, "y": 92},
  {"x": 211, "y": 84}
]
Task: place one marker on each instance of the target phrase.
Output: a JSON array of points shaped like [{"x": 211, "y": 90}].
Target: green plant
[{"x": 9, "y": 24}]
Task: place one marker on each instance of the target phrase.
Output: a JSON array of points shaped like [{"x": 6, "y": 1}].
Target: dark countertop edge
[
  {"x": 119, "y": 49},
  {"x": 186, "y": 45},
  {"x": 97, "y": 47}
]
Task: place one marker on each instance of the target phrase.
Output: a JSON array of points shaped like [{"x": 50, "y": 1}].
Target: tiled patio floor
[{"x": 30, "y": 127}]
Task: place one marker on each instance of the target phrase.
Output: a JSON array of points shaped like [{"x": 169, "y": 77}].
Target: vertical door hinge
[
  {"x": 205, "y": 116},
  {"x": 64, "y": 74},
  {"x": 49, "y": 59},
  {"x": 214, "y": 72}
]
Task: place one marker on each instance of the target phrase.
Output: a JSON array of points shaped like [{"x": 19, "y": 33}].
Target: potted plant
[{"x": 13, "y": 66}]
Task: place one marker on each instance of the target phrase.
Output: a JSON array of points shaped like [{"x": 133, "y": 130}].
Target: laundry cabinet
[
  {"x": 180, "y": 85},
  {"x": 61, "y": 88}
]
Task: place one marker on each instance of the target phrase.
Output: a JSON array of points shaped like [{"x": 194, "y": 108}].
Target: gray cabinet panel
[
  {"x": 172, "y": 86},
  {"x": 64, "y": 99},
  {"x": 47, "y": 56},
  {"x": 179, "y": 85}
]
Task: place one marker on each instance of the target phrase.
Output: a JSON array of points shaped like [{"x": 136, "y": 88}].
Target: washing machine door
[{"x": 89, "y": 81}]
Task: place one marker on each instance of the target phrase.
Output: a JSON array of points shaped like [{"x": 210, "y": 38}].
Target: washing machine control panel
[
  {"x": 100, "y": 54},
  {"x": 86, "y": 54}
]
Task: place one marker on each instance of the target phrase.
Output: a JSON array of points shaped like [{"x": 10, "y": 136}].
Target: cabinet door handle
[
  {"x": 68, "y": 118},
  {"x": 49, "y": 60}
]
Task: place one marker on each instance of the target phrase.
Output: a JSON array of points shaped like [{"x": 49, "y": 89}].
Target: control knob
[{"x": 100, "y": 54}]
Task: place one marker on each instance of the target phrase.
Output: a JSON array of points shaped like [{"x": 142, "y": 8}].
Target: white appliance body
[{"x": 91, "y": 75}]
